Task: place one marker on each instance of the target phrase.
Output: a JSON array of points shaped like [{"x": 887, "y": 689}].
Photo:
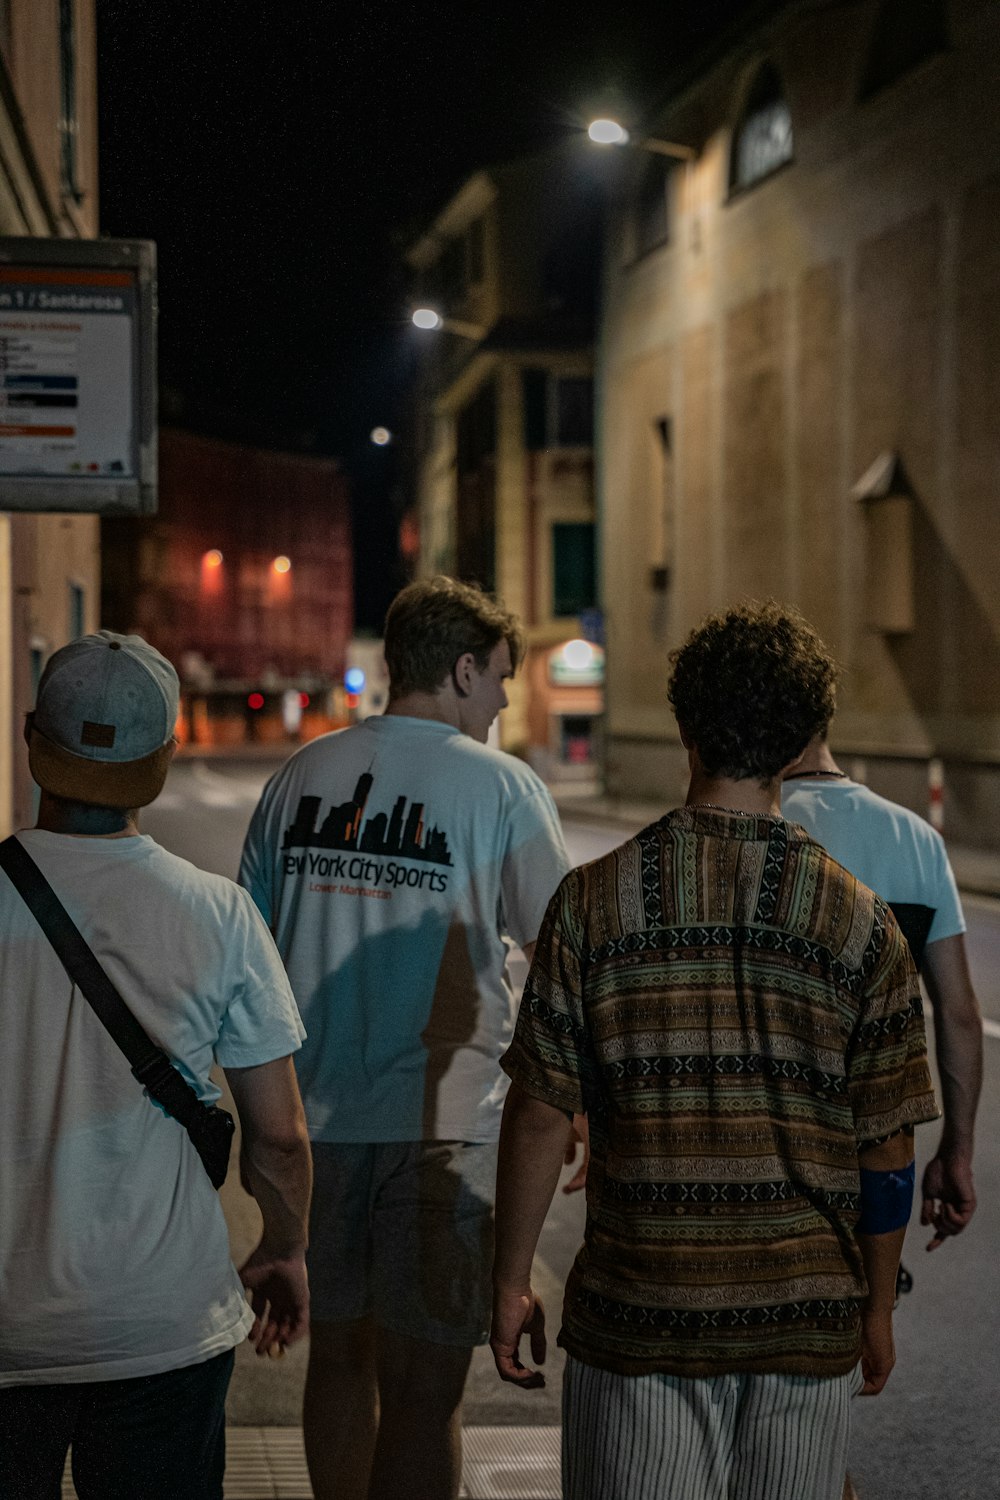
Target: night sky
[{"x": 283, "y": 154}]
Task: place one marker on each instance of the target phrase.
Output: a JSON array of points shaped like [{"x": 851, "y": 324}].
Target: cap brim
[{"x": 133, "y": 783}]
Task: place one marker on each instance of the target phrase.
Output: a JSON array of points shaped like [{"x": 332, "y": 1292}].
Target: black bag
[{"x": 211, "y": 1129}]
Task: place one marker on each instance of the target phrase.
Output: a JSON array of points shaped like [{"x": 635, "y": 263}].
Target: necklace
[
  {"x": 800, "y": 775},
  {"x": 739, "y": 812}
]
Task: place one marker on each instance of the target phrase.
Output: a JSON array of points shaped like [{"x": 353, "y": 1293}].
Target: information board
[{"x": 78, "y": 376}]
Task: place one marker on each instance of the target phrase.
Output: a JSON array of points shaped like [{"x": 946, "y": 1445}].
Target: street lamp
[
  {"x": 607, "y": 132},
  {"x": 429, "y": 318}
]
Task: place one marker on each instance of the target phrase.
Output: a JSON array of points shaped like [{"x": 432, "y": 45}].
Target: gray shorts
[{"x": 402, "y": 1232}]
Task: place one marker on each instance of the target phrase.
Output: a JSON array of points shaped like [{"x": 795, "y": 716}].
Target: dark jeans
[{"x": 156, "y": 1437}]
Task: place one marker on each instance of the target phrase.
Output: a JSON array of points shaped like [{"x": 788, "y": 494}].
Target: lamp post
[
  {"x": 608, "y": 132},
  {"x": 430, "y": 319}
]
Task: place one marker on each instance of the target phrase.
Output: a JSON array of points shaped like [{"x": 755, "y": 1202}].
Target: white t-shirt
[
  {"x": 394, "y": 861},
  {"x": 114, "y": 1254},
  {"x": 892, "y": 850}
]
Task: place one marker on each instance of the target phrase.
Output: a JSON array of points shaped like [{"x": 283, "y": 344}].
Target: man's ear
[
  {"x": 463, "y": 674},
  {"x": 686, "y": 739}
]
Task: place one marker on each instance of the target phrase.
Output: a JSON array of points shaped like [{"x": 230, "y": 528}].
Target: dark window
[
  {"x": 75, "y": 621},
  {"x": 574, "y": 412},
  {"x": 574, "y": 575},
  {"x": 652, "y": 220},
  {"x": 906, "y": 33},
  {"x": 763, "y": 140},
  {"x": 68, "y": 123},
  {"x": 558, "y": 410},
  {"x": 475, "y": 518},
  {"x": 535, "y": 386}
]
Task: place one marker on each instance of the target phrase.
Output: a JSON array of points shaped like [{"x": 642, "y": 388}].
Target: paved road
[{"x": 931, "y": 1436}]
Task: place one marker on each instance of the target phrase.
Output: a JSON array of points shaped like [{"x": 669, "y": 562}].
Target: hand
[
  {"x": 579, "y": 1134},
  {"x": 878, "y": 1351},
  {"x": 949, "y": 1196},
  {"x": 279, "y": 1296},
  {"x": 515, "y": 1313}
]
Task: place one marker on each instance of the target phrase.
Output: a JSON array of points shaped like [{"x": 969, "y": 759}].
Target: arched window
[
  {"x": 906, "y": 33},
  {"x": 762, "y": 141}
]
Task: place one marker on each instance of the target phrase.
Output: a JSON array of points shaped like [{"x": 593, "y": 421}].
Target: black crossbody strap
[{"x": 149, "y": 1063}]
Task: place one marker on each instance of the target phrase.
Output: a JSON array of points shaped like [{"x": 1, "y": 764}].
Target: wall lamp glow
[
  {"x": 381, "y": 437},
  {"x": 212, "y": 559},
  {"x": 282, "y": 564},
  {"x": 606, "y": 132}
]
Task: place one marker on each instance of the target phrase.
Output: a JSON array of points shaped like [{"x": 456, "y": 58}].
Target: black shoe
[{"x": 904, "y": 1282}]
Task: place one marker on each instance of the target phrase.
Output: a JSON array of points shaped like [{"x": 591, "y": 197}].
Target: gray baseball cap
[{"x": 102, "y": 729}]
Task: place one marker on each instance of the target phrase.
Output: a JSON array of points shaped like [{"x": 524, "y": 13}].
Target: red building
[{"x": 243, "y": 580}]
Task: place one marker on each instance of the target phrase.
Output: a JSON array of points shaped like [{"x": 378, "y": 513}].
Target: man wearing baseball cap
[{"x": 119, "y": 1306}]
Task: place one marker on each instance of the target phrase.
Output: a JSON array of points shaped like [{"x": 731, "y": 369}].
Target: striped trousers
[{"x": 731, "y": 1437}]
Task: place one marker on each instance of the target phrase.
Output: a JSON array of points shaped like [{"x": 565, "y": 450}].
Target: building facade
[
  {"x": 244, "y": 581},
  {"x": 799, "y": 377},
  {"x": 49, "y": 564},
  {"x": 503, "y": 433}
]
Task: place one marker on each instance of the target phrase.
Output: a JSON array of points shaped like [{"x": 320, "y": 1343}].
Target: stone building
[
  {"x": 49, "y": 564},
  {"x": 243, "y": 579},
  {"x": 800, "y": 380},
  {"x": 503, "y": 431}
]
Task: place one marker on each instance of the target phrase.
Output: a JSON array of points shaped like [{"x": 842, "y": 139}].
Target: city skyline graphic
[{"x": 400, "y": 832}]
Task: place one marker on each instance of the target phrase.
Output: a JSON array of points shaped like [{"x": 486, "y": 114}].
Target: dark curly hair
[
  {"x": 750, "y": 688},
  {"x": 435, "y": 621}
]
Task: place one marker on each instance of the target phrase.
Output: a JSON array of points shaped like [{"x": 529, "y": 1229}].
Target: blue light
[{"x": 354, "y": 680}]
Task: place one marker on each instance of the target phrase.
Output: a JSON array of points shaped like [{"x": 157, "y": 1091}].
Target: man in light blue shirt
[
  {"x": 396, "y": 862},
  {"x": 903, "y": 860}
]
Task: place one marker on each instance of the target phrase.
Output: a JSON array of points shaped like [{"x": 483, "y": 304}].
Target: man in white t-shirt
[
  {"x": 396, "y": 862},
  {"x": 119, "y": 1305},
  {"x": 903, "y": 860}
]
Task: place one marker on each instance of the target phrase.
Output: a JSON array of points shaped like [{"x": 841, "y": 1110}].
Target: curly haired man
[{"x": 740, "y": 1020}]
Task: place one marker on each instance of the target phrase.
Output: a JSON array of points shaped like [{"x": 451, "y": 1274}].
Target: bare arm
[
  {"x": 949, "y": 1197},
  {"x": 532, "y": 1147},
  {"x": 276, "y": 1166},
  {"x": 880, "y": 1253}
]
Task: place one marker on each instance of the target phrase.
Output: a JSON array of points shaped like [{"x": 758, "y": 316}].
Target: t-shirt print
[{"x": 403, "y": 833}]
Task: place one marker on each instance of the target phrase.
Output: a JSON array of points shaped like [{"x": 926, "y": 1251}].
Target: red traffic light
[{"x": 255, "y": 700}]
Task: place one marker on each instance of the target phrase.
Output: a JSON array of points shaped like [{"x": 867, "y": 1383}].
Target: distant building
[
  {"x": 503, "y": 429},
  {"x": 49, "y": 564},
  {"x": 243, "y": 580},
  {"x": 800, "y": 384}
]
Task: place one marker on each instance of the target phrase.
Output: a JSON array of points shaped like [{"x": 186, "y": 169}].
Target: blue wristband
[{"x": 886, "y": 1200}]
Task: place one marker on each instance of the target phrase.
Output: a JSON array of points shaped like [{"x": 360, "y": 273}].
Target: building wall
[
  {"x": 792, "y": 332},
  {"x": 42, "y": 556}
]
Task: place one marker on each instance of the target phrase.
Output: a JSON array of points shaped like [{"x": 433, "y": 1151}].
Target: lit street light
[
  {"x": 429, "y": 318},
  {"x": 607, "y": 133},
  {"x": 381, "y": 436},
  {"x": 426, "y": 317}
]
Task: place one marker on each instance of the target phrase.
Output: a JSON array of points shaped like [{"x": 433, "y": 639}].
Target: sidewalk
[{"x": 976, "y": 870}]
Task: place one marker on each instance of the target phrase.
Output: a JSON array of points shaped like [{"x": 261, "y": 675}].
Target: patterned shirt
[{"x": 737, "y": 1015}]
